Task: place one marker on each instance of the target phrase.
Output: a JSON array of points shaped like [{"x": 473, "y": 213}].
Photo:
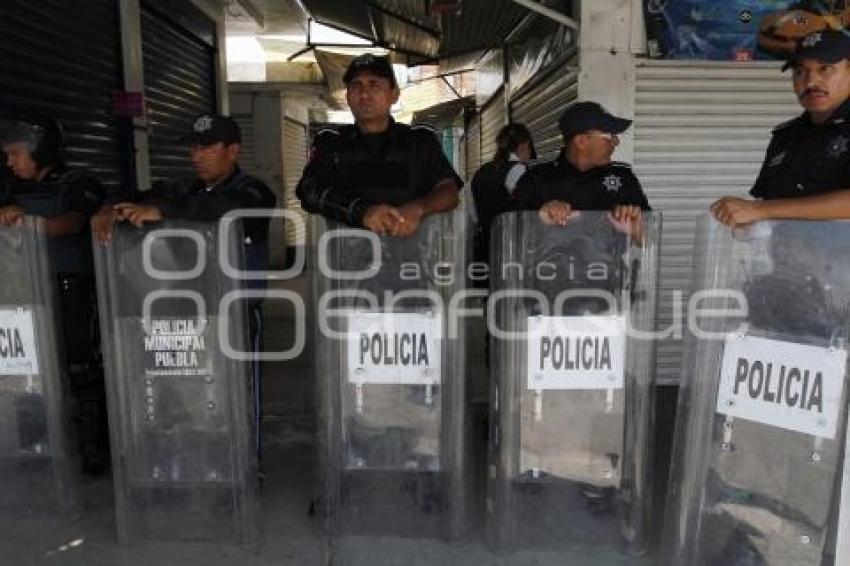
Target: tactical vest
[{"x": 47, "y": 198}]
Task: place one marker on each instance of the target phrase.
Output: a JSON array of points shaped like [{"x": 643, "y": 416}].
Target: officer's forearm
[
  {"x": 66, "y": 224},
  {"x": 442, "y": 198},
  {"x": 831, "y": 206},
  {"x": 332, "y": 203}
]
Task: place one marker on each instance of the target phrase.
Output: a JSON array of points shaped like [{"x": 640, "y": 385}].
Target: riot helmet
[{"x": 42, "y": 135}]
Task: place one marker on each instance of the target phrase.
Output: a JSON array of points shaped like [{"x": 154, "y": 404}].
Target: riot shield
[
  {"x": 180, "y": 407},
  {"x": 36, "y": 469},
  {"x": 390, "y": 376},
  {"x": 570, "y": 313},
  {"x": 761, "y": 424}
]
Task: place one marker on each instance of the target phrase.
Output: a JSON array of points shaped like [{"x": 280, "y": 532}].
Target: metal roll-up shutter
[
  {"x": 294, "y": 161},
  {"x": 248, "y": 147},
  {"x": 473, "y": 146},
  {"x": 539, "y": 105},
  {"x": 493, "y": 118},
  {"x": 700, "y": 130},
  {"x": 50, "y": 65},
  {"x": 180, "y": 83}
]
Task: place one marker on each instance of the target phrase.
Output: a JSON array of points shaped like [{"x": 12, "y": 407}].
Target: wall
[{"x": 610, "y": 32}]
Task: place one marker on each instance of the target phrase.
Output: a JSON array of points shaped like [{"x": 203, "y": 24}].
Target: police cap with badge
[
  {"x": 585, "y": 116},
  {"x": 828, "y": 45},
  {"x": 368, "y": 63},
  {"x": 210, "y": 129},
  {"x": 805, "y": 158}
]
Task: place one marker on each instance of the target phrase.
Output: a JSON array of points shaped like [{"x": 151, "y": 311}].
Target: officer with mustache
[{"x": 806, "y": 171}]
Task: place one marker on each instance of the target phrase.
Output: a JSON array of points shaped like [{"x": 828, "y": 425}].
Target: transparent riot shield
[
  {"x": 761, "y": 425},
  {"x": 180, "y": 405},
  {"x": 37, "y": 471},
  {"x": 390, "y": 373},
  {"x": 570, "y": 312}
]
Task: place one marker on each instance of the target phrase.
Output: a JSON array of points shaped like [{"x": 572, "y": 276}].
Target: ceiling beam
[
  {"x": 562, "y": 19},
  {"x": 404, "y": 19}
]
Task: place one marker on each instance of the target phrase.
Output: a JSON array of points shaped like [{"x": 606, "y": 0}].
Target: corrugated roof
[{"x": 409, "y": 26}]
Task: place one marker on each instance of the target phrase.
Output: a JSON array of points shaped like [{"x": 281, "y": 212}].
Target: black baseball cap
[
  {"x": 584, "y": 116},
  {"x": 375, "y": 64},
  {"x": 827, "y": 45},
  {"x": 209, "y": 129}
]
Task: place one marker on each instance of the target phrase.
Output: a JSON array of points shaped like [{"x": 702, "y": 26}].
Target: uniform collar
[
  {"x": 840, "y": 116},
  {"x": 562, "y": 163},
  {"x": 223, "y": 184},
  {"x": 391, "y": 127},
  {"x": 55, "y": 173}
]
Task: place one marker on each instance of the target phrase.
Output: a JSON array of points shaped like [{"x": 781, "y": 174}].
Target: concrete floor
[{"x": 290, "y": 536}]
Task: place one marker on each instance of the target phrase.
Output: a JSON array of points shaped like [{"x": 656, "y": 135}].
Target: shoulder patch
[{"x": 327, "y": 131}]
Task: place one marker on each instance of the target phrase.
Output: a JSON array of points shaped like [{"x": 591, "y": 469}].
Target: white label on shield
[
  {"x": 395, "y": 348},
  {"x": 576, "y": 352},
  {"x": 782, "y": 384},
  {"x": 18, "y": 353}
]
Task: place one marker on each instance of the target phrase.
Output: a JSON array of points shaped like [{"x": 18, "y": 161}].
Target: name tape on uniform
[
  {"x": 395, "y": 348},
  {"x": 18, "y": 353},
  {"x": 576, "y": 352},
  {"x": 782, "y": 384}
]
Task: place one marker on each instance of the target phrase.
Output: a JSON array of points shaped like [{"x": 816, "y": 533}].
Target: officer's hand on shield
[
  {"x": 382, "y": 219},
  {"x": 556, "y": 213},
  {"x": 628, "y": 219},
  {"x": 11, "y": 216},
  {"x": 102, "y": 223},
  {"x": 733, "y": 211},
  {"x": 138, "y": 214},
  {"x": 411, "y": 217}
]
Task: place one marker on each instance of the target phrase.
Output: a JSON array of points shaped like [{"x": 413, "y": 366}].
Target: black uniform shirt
[
  {"x": 196, "y": 201},
  {"x": 805, "y": 159},
  {"x": 349, "y": 171},
  {"x": 600, "y": 188},
  {"x": 61, "y": 191}
]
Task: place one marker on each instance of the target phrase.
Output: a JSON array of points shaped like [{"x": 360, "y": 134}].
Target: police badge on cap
[
  {"x": 209, "y": 129},
  {"x": 827, "y": 45},
  {"x": 378, "y": 66}
]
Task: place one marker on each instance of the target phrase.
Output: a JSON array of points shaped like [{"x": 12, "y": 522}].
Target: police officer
[
  {"x": 806, "y": 171},
  {"x": 583, "y": 177},
  {"x": 805, "y": 175},
  {"x": 377, "y": 174},
  {"x": 220, "y": 187},
  {"x": 494, "y": 183},
  {"x": 42, "y": 185}
]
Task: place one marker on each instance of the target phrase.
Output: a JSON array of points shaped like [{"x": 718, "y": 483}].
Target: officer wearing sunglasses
[{"x": 583, "y": 176}]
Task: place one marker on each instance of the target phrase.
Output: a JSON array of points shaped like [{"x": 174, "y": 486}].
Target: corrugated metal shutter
[
  {"x": 49, "y": 64},
  {"x": 294, "y": 161},
  {"x": 539, "y": 105},
  {"x": 473, "y": 146},
  {"x": 248, "y": 147},
  {"x": 493, "y": 118},
  {"x": 701, "y": 130},
  {"x": 179, "y": 85}
]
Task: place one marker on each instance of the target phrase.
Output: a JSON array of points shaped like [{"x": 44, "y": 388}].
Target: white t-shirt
[{"x": 516, "y": 171}]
